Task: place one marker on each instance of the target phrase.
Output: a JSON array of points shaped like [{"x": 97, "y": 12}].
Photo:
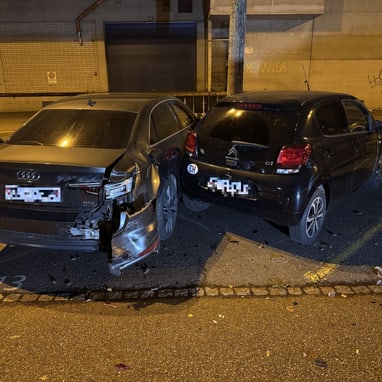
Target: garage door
[{"x": 151, "y": 56}]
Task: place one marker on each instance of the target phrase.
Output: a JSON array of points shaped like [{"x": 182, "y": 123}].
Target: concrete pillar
[{"x": 237, "y": 30}]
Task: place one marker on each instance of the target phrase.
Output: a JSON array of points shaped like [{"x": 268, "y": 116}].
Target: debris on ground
[
  {"x": 378, "y": 271},
  {"x": 122, "y": 366},
  {"x": 320, "y": 362}
]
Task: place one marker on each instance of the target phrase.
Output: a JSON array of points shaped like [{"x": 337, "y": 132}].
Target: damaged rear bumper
[{"x": 137, "y": 239}]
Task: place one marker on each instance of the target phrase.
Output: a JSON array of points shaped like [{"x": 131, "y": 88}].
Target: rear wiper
[{"x": 249, "y": 144}]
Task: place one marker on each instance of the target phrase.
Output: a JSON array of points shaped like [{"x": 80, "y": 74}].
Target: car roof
[
  {"x": 109, "y": 101},
  {"x": 295, "y": 99}
]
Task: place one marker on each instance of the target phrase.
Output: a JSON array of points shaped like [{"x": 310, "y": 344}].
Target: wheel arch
[{"x": 321, "y": 182}]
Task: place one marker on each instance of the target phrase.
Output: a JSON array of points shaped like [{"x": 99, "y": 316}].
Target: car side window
[
  {"x": 357, "y": 120},
  {"x": 332, "y": 119},
  {"x": 162, "y": 123},
  {"x": 184, "y": 117}
]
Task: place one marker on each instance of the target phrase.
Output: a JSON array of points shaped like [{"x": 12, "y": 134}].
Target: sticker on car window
[{"x": 227, "y": 187}]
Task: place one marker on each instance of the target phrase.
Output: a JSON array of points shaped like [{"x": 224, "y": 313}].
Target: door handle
[{"x": 356, "y": 146}]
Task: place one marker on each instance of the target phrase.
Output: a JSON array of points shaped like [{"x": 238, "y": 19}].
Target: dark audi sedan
[
  {"x": 286, "y": 155},
  {"x": 95, "y": 171}
]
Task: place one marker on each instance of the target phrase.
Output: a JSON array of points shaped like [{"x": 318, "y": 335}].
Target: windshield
[
  {"x": 265, "y": 127},
  {"x": 108, "y": 129}
]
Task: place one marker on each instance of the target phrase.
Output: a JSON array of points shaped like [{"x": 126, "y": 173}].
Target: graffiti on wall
[
  {"x": 375, "y": 80},
  {"x": 266, "y": 67}
]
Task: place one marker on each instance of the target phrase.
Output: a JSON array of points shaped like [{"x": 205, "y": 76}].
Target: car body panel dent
[
  {"x": 137, "y": 239},
  {"x": 154, "y": 180}
]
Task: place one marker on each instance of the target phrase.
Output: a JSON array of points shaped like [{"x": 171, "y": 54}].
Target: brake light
[
  {"x": 291, "y": 158},
  {"x": 249, "y": 105},
  {"x": 89, "y": 188},
  {"x": 192, "y": 144},
  {"x": 114, "y": 190}
]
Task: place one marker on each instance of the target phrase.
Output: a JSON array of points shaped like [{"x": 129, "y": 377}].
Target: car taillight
[
  {"x": 91, "y": 188},
  {"x": 291, "y": 158},
  {"x": 114, "y": 190},
  {"x": 192, "y": 144}
]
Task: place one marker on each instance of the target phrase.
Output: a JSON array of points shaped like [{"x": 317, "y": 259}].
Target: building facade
[{"x": 51, "y": 48}]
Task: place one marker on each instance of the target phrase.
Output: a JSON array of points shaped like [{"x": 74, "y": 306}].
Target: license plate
[
  {"x": 227, "y": 187},
  {"x": 33, "y": 194}
]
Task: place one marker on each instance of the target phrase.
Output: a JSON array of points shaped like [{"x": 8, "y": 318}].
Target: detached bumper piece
[{"x": 138, "y": 239}]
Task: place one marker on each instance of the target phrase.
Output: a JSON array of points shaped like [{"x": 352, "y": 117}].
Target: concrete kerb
[{"x": 331, "y": 291}]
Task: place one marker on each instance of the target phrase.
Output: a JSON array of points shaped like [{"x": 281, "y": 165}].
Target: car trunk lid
[{"x": 54, "y": 177}]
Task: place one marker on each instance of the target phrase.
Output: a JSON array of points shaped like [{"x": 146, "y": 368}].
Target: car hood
[{"x": 70, "y": 156}]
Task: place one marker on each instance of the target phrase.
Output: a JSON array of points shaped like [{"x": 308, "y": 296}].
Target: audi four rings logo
[{"x": 28, "y": 175}]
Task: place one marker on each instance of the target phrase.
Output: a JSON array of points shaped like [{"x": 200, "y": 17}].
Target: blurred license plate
[
  {"x": 227, "y": 187},
  {"x": 33, "y": 194}
]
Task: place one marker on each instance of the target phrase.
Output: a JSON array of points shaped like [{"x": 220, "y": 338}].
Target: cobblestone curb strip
[{"x": 225, "y": 292}]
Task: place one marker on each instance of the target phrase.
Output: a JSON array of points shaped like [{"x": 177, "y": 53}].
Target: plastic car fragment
[{"x": 122, "y": 366}]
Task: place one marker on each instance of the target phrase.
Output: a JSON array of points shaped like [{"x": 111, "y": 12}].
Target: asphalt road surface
[{"x": 194, "y": 340}]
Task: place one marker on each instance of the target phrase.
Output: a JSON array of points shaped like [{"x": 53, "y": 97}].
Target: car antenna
[{"x": 306, "y": 78}]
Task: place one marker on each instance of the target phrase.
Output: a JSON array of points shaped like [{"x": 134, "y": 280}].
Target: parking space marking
[
  {"x": 17, "y": 281},
  {"x": 327, "y": 269},
  {"x": 368, "y": 235},
  {"x": 321, "y": 274}
]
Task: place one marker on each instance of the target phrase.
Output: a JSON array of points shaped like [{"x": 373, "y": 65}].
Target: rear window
[
  {"x": 77, "y": 128},
  {"x": 266, "y": 127}
]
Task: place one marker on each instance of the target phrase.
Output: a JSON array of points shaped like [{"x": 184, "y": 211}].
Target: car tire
[
  {"x": 167, "y": 207},
  {"x": 195, "y": 205},
  {"x": 312, "y": 221}
]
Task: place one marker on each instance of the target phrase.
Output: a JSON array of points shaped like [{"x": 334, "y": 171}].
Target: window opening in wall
[{"x": 151, "y": 56}]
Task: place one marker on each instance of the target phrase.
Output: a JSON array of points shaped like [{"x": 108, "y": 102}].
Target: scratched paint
[{"x": 327, "y": 269}]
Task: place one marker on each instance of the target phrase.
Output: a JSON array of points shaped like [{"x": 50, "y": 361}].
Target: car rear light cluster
[
  {"x": 292, "y": 158},
  {"x": 192, "y": 145},
  {"x": 114, "y": 190},
  {"x": 91, "y": 188}
]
